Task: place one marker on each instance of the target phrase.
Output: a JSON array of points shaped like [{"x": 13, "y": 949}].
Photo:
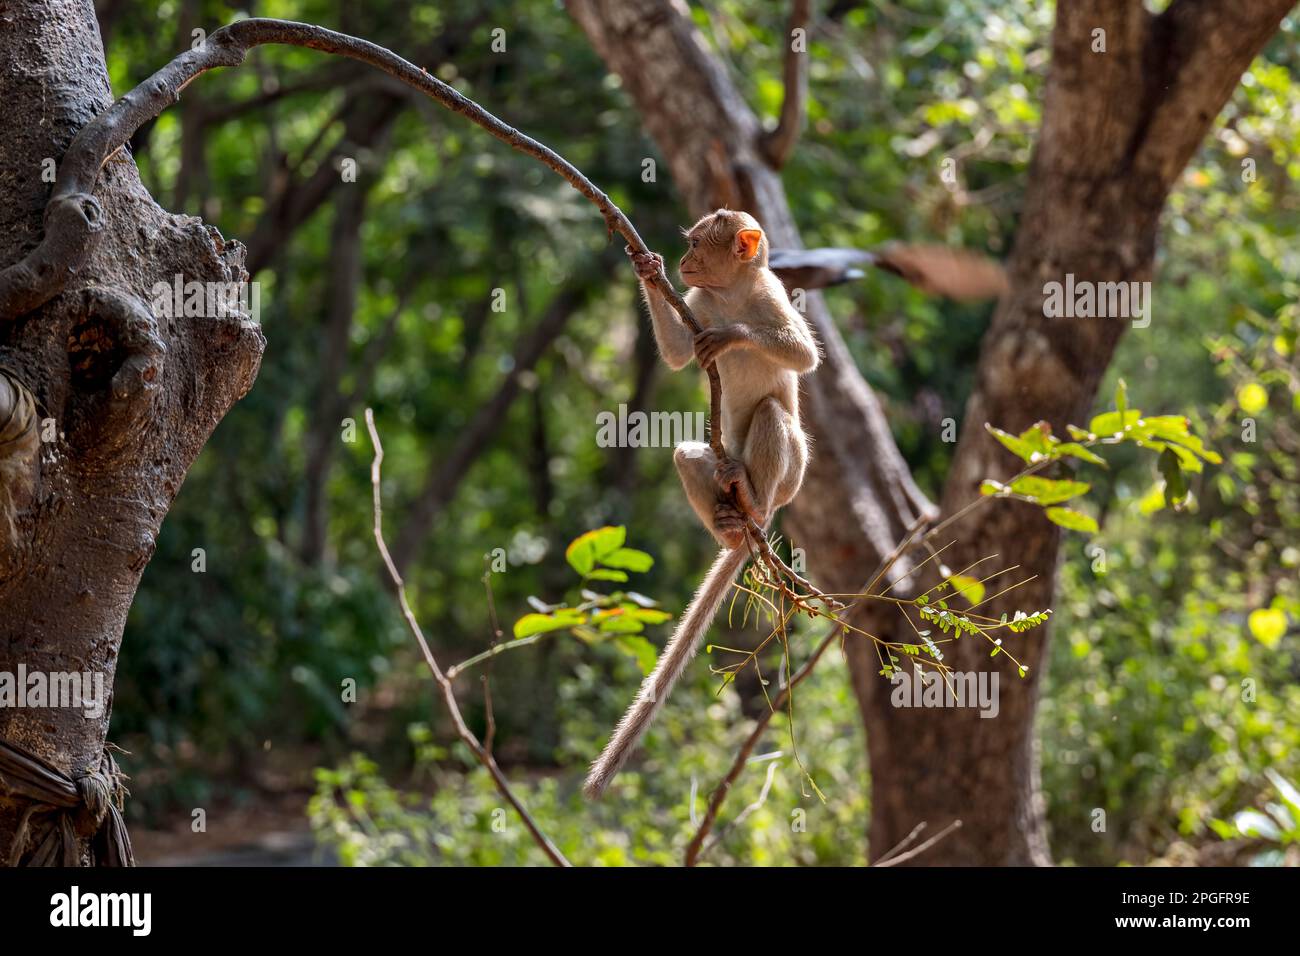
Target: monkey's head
[{"x": 722, "y": 248}]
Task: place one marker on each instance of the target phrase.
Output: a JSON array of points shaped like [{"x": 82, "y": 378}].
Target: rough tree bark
[
  {"x": 1118, "y": 129},
  {"x": 131, "y": 399}
]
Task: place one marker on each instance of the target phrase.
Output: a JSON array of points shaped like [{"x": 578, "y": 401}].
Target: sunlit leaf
[
  {"x": 1110, "y": 423},
  {"x": 607, "y": 574},
  {"x": 1267, "y": 625},
  {"x": 623, "y": 624},
  {"x": 1048, "y": 491},
  {"x": 1153, "y": 500},
  {"x": 1252, "y": 823},
  {"x": 586, "y": 549},
  {"x": 646, "y": 614},
  {"x": 968, "y": 587},
  {"x": 1075, "y": 450},
  {"x": 531, "y": 624},
  {"x": 630, "y": 559},
  {"x": 1074, "y": 520}
]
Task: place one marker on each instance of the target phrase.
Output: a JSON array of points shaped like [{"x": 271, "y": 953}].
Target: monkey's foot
[
  {"x": 728, "y": 526},
  {"x": 732, "y": 478},
  {"x": 728, "y": 473}
]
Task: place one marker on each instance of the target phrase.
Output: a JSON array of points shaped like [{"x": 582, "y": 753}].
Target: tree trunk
[
  {"x": 126, "y": 400},
  {"x": 1097, "y": 185},
  {"x": 1119, "y": 126}
]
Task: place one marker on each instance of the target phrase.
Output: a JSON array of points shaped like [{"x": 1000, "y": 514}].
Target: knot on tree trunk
[{"x": 116, "y": 357}]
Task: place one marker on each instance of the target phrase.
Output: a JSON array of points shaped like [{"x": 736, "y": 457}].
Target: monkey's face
[{"x": 721, "y": 249}]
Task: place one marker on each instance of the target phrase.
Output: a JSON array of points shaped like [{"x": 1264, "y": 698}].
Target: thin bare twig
[
  {"x": 444, "y": 685},
  {"x": 486, "y": 677},
  {"x": 904, "y": 857}
]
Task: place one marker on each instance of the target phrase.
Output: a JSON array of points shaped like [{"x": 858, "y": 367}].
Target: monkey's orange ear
[{"x": 747, "y": 242}]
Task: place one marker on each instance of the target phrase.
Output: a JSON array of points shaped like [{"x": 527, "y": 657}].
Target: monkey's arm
[
  {"x": 675, "y": 340},
  {"x": 789, "y": 345}
]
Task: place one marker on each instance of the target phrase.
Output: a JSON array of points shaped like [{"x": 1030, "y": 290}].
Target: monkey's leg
[
  {"x": 696, "y": 464},
  {"x": 774, "y": 460}
]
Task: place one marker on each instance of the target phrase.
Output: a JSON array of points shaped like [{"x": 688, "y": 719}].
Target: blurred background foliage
[{"x": 1173, "y": 683}]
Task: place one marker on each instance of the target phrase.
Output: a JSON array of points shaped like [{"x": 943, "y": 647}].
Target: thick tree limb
[
  {"x": 1205, "y": 45},
  {"x": 777, "y": 144}
]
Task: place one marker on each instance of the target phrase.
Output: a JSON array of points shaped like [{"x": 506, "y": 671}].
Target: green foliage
[
  {"x": 1181, "y": 452},
  {"x": 1278, "y": 823},
  {"x": 1170, "y": 695},
  {"x": 449, "y": 813},
  {"x": 621, "y": 616}
]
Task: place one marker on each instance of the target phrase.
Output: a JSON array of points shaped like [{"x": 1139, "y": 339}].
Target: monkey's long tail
[{"x": 672, "y": 662}]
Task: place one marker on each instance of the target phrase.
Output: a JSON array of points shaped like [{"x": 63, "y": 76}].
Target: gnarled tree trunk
[{"x": 124, "y": 400}]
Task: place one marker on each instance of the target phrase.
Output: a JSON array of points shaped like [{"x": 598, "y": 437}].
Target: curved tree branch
[
  {"x": 776, "y": 145},
  {"x": 73, "y": 215}
]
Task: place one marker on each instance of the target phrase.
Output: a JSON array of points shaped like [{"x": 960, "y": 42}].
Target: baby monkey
[{"x": 760, "y": 345}]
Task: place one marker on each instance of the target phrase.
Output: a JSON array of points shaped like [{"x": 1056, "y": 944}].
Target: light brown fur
[{"x": 761, "y": 345}]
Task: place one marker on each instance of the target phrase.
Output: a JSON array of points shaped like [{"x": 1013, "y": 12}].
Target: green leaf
[
  {"x": 639, "y": 649},
  {"x": 1074, "y": 520},
  {"x": 1174, "y": 431},
  {"x": 1121, "y": 397},
  {"x": 630, "y": 559},
  {"x": 531, "y": 624},
  {"x": 647, "y": 615},
  {"x": 1111, "y": 423},
  {"x": 1153, "y": 500},
  {"x": 988, "y": 487},
  {"x": 1013, "y": 444},
  {"x": 1175, "y": 484},
  {"x": 1169, "y": 427},
  {"x": 587, "y": 549},
  {"x": 1267, "y": 625},
  {"x": 1075, "y": 450},
  {"x": 607, "y": 574},
  {"x": 1186, "y": 459},
  {"x": 1033, "y": 444},
  {"x": 622, "y": 624},
  {"x": 968, "y": 587},
  {"x": 1048, "y": 491}
]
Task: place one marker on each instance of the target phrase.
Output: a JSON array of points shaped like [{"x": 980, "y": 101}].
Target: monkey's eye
[{"x": 695, "y": 243}]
